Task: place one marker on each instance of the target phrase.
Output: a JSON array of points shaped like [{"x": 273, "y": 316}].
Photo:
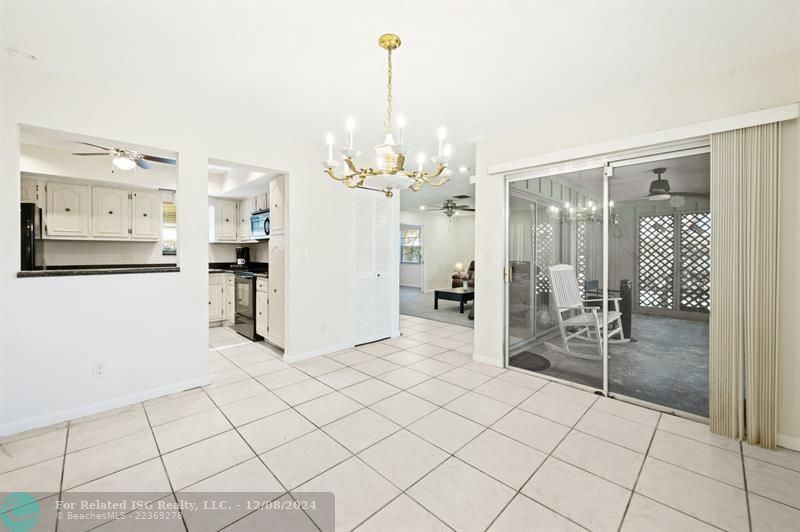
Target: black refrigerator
[{"x": 32, "y": 245}]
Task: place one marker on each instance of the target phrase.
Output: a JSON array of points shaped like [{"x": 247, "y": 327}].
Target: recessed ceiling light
[
  {"x": 22, "y": 54},
  {"x": 463, "y": 169},
  {"x": 422, "y": 207}
]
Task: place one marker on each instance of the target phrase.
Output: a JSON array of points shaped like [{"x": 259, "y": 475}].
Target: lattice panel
[
  {"x": 695, "y": 262},
  {"x": 544, "y": 254},
  {"x": 582, "y": 252},
  {"x": 656, "y": 261}
]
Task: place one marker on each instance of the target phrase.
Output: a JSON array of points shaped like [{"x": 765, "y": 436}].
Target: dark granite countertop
[{"x": 105, "y": 269}]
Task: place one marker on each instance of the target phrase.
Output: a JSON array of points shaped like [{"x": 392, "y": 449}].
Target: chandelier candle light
[{"x": 389, "y": 173}]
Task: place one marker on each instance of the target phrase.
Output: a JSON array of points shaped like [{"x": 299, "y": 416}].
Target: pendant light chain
[{"x": 388, "y": 124}]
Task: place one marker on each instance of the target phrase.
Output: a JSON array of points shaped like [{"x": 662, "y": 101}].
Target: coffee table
[{"x": 462, "y": 295}]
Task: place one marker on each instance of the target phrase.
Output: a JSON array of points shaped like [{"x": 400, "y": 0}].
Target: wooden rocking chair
[{"x": 586, "y": 322}]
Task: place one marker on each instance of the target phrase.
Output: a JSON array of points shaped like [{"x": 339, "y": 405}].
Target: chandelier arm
[{"x": 401, "y": 161}]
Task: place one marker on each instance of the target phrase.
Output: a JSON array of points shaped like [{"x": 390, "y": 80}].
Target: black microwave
[{"x": 259, "y": 225}]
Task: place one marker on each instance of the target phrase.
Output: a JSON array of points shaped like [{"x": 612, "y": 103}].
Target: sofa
[{"x": 464, "y": 279}]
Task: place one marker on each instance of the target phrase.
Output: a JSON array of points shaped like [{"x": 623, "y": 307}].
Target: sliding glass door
[
  {"x": 544, "y": 233},
  {"x": 636, "y": 232},
  {"x": 660, "y": 268}
]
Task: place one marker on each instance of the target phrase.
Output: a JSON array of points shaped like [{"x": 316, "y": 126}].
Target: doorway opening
[{"x": 652, "y": 219}]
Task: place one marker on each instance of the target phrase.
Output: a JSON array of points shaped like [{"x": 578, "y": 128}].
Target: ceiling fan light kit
[
  {"x": 389, "y": 173},
  {"x": 123, "y": 163}
]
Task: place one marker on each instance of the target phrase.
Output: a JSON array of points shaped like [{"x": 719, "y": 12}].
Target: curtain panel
[{"x": 744, "y": 283}]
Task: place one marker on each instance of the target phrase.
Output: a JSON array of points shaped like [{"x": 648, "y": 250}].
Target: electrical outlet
[{"x": 99, "y": 370}]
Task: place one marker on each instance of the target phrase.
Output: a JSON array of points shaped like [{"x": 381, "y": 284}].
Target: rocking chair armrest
[{"x": 600, "y": 300}]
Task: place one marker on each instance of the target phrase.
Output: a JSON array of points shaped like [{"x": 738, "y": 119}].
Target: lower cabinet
[
  {"x": 215, "y": 298},
  {"x": 262, "y": 314},
  {"x": 276, "y": 295},
  {"x": 228, "y": 293}
]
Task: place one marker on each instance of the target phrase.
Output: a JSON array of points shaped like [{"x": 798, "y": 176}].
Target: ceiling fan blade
[
  {"x": 93, "y": 153},
  {"x": 469, "y": 209},
  {"x": 163, "y": 160},
  {"x": 462, "y": 206},
  {"x": 93, "y": 145},
  {"x": 144, "y": 165},
  {"x": 691, "y": 194}
]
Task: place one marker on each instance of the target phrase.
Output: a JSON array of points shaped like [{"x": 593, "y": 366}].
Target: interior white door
[{"x": 374, "y": 261}]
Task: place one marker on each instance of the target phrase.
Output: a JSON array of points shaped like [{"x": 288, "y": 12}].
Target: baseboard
[
  {"x": 788, "y": 442},
  {"x": 316, "y": 353},
  {"x": 488, "y": 361},
  {"x": 95, "y": 408},
  {"x": 411, "y": 285}
]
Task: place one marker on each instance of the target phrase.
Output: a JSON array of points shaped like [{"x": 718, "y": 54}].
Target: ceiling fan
[
  {"x": 450, "y": 207},
  {"x": 126, "y": 159},
  {"x": 660, "y": 191}
]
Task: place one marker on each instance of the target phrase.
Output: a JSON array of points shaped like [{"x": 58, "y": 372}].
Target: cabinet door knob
[
  {"x": 209, "y": 302},
  {"x": 227, "y": 220},
  {"x": 145, "y": 215},
  {"x": 67, "y": 209},
  {"x": 110, "y": 212},
  {"x": 379, "y": 275}
]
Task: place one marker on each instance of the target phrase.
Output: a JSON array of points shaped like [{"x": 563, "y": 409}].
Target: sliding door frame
[{"x": 608, "y": 162}]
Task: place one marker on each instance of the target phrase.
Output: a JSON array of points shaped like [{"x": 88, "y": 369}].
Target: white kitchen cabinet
[
  {"x": 262, "y": 314},
  {"x": 215, "y": 298},
  {"x": 261, "y": 202},
  {"x": 276, "y": 210},
  {"x": 276, "y": 291},
  {"x": 29, "y": 192},
  {"x": 246, "y": 207},
  {"x": 146, "y": 215},
  {"x": 67, "y": 210},
  {"x": 229, "y": 308},
  {"x": 225, "y": 220},
  {"x": 110, "y": 213}
]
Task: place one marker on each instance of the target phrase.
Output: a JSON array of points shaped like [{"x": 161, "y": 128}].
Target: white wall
[
  {"x": 685, "y": 102},
  {"x": 46, "y": 362},
  {"x": 789, "y": 289},
  {"x": 444, "y": 243}
]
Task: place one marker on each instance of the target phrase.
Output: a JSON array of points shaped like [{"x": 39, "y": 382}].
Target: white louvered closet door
[
  {"x": 383, "y": 262},
  {"x": 374, "y": 256}
]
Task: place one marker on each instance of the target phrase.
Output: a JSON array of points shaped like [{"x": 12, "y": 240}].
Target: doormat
[{"x": 530, "y": 361}]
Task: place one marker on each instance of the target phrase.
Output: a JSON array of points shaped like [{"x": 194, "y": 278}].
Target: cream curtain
[{"x": 744, "y": 283}]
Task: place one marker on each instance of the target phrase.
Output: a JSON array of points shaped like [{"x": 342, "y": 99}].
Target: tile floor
[{"x": 411, "y": 435}]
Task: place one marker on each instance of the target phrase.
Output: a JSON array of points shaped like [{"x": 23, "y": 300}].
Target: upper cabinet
[
  {"x": 146, "y": 215},
  {"x": 246, "y": 207},
  {"x": 67, "y": 210},
  {"x": 110, "y": 213},
  {"x": 276, "y": 206},
  {"x": 225, "y": 220},
  {"x": 29, "y": 191},
  {"x": 96, "y": 212}
]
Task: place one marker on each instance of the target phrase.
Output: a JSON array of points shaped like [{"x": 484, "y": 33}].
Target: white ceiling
[
  {"x": 234, "y": 180},
  {"x": 480, "y": 69}
]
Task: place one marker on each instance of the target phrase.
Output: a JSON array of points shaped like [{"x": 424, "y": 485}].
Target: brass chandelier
[{"x": 389, "y": 173}]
